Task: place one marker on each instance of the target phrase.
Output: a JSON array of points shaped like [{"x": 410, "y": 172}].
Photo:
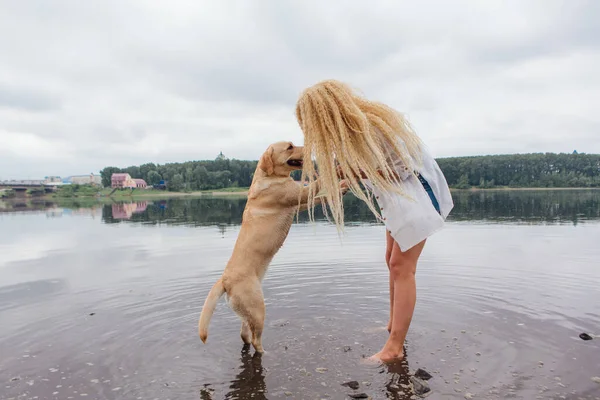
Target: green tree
[
  {"x": 176, "y": 183},
  {"x": 201, "y": 177},
  {"x": 463, "y": 182},
  {"x": 134, "y": 171},
  {"x": 153, "y": 178},
  {"x": 146, "y": 168},
  {"x": 515, "y": 170}
]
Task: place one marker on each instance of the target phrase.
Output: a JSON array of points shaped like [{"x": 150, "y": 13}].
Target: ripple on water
[{"x": 488, "y": 313}]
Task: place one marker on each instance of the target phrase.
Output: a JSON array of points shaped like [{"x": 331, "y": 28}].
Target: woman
[{"x": 367, "y": 142}]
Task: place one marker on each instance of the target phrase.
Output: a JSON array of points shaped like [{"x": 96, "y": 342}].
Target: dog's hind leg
[
  {"x": 250, "y": 307},
  {"x": 257, "y": 326},
  {"x": 246, "y": 333},
  {"x": 256, "y": 323},
  {"x": 255, "y": 316}
]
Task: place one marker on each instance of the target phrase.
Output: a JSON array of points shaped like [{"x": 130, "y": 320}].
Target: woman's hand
[
  {"x": 341, "y": 175},
  {"x": 344, "y": 186}
]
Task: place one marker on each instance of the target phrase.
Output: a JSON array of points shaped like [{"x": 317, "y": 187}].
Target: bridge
[{"x": 21, "y": 186}]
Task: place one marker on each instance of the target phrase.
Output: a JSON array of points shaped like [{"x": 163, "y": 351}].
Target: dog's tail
[{"x": 209, "y": 307}]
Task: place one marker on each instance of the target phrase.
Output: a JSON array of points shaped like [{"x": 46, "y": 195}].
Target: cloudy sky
[{"x": 86, "y": 84}]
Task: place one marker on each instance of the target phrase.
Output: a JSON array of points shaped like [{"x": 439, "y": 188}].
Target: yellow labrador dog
[{"x": 273, "y": 199}]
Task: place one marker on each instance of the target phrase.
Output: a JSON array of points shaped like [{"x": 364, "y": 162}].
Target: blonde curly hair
[{"x": 346, "y": 133}]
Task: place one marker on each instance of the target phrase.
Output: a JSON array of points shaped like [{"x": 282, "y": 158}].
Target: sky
[{"x": 90, "y": 84}]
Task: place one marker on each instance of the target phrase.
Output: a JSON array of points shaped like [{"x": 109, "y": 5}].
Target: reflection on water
[
  {"x": 126, "y": 210},
  {"x": 250, "y": 381},
  {"x": 486, "y": 206},
  {"x": 524, "y": 206},
  {"x": 527, "y": 206},
  {"x": 101, "y": 301}
]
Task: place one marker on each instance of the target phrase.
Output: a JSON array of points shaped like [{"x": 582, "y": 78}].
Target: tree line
[
  {"x": 514, "y": 170},
  {"x": 191, "y": 175},
  {"x": 523, "y": 170}
]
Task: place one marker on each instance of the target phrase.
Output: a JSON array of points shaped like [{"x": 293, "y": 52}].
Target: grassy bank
[
  {"x": 140, "y": 194},
  {"x": 231, "y": 191},
  {"x": 153, "y": 194},
  {"x": 88, "y": 192}
]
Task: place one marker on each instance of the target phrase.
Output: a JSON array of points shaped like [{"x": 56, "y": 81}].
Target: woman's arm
[{"x": 402, "y": 176}]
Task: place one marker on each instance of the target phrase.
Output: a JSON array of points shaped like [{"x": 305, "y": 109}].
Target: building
[
  {"x": 52, "y": 179},
  {"x": 90, "y": 179},
  {"x": 122, "y": 181},
  {"x": 140, "y": 183}
]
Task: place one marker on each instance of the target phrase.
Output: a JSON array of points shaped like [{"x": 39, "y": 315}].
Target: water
[{"x": 102, "y": 302}]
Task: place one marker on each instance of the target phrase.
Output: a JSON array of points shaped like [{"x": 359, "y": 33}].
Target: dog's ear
[{"x": 266, "y": 161}]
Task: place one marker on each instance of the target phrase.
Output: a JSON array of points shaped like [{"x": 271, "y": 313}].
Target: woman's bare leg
[
  {"x": 389, "y": 245},
  {"x": 403, "y": 266}
]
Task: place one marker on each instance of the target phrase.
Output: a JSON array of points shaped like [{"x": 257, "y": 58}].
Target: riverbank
[
  {"x": 90, "y": 199},
  {"x": 144, "y": 194},
  {"x": 244, "y": 191},
  {"x": 152, "y": 194}
]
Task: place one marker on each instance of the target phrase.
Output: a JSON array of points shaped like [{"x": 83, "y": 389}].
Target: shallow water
[{"x": 102, "y": 302}]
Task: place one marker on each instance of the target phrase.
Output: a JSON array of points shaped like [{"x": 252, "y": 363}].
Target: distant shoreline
[
  {"x": 150, "y": 194},
  {"x": 243, "y": 192}
]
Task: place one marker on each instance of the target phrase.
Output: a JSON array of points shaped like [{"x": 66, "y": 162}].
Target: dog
[{"x": 273, "y": 200}]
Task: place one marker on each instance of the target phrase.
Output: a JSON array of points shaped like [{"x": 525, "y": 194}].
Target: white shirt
[{"x": 412, "y": 220}]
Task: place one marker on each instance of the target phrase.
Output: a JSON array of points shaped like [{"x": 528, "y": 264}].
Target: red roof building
[
  {"x": 140, "y": 183},
  {"x": 122, "y": 180}
]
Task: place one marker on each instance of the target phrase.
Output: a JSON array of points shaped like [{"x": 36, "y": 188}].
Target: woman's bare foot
[
  {"x": 385, "y": 357},
  {"x": 375, "y": 329}
]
